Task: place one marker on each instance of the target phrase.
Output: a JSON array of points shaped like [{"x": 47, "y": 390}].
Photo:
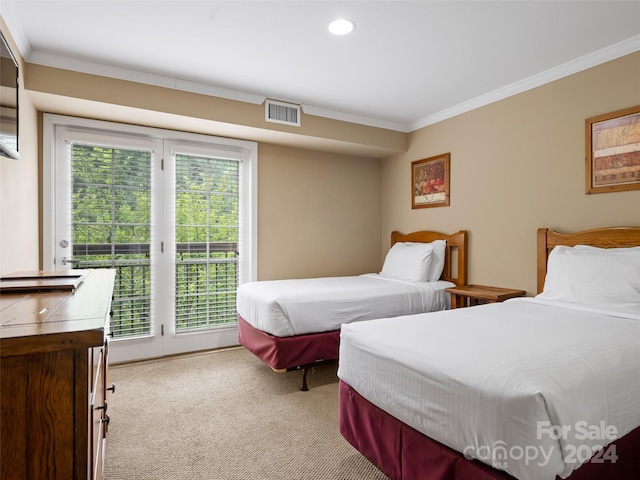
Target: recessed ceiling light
[{"x": 342, "y": 26}]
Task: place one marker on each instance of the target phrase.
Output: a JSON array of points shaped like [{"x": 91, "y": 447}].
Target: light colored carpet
[{"x": 225, "y": 415}]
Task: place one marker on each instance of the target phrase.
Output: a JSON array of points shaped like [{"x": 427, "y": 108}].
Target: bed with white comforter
[
  {"x": 484, "y": 379},
  {"x": 295, "y": 323},
  {"x": 295, "y": 307}
]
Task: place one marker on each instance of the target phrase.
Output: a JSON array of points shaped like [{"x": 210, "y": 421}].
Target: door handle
[{"x": 66, "y": 260}]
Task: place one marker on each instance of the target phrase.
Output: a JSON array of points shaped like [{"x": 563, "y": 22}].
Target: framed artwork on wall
[
  {"x": 613, "y": 151},
  {"x": 430, "y": 182}
]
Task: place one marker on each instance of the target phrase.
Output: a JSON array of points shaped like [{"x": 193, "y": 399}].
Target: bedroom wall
[
  {"x": 319, "y": 214},
  {"x": 517, "y": 165},
  {"x": 19, "y": 197}
]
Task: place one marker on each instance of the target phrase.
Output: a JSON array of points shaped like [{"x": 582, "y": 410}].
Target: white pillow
[
  {"x": 437, "y": 260},
  {"x": 629, "y": 251},
  {"x": 599, "y": 277},
  {"x": 408, "y": 260}
]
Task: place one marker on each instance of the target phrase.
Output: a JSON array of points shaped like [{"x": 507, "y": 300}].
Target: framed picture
[
  {"x": 613, "y": 151},
  {"x": 430, "y": 182}
]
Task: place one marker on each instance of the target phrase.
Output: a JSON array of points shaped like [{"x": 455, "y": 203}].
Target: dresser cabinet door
[
  {"x": 37, "y": 405},
  {"x": 97, "y": 411}
]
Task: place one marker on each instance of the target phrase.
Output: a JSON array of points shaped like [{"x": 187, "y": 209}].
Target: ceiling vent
[{"x": 279, "y": 112}]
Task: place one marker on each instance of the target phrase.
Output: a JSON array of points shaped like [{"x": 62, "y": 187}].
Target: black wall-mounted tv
[{"x": 8, "y": 102}]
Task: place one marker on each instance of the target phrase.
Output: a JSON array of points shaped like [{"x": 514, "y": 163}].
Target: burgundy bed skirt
[
  {"x": 403, "y": 453},
  {"x": 282, "y": 353}
]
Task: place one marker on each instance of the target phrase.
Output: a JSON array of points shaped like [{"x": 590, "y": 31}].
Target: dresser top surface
[{"x": 83, "y": 307}]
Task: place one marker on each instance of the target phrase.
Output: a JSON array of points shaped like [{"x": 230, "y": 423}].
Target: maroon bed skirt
[
  {"x": 403, "y": 453},
  {"x": 282, "y": 353}
]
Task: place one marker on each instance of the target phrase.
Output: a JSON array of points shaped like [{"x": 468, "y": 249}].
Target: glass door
[
  {"x": 202, "y": 245},
  {"x": 105, "y": 217},
  {"x": 174, "y": 218}
]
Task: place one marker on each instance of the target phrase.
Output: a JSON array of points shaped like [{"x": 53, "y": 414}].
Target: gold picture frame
[
  {"x": 613, "y": 151},
  {"x": 430, "y": 182}
]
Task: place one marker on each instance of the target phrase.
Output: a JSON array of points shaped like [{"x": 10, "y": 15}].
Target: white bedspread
[
  {"x": 480, "y": 379},
  {"x": 293, "y": 307}
]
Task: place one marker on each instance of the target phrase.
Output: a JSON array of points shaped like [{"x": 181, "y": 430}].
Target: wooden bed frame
[
  {"x": 612, "y": 237},
  {"x": 403, "y": 453},
  {"x": 300, "y": 352}
]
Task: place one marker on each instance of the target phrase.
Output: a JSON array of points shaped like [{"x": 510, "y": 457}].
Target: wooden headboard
[
  {"x": 613, "y": 237},
  {"x": 456, "y": 241}
]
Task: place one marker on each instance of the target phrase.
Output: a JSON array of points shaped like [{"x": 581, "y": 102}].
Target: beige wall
[
  {"x": 19, "y": 193},
  {"x": 516, "y": 165},
  {"x": 319, "y": 214}
]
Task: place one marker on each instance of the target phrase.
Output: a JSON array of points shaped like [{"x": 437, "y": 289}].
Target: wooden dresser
[{"x": 53, "y": 378}]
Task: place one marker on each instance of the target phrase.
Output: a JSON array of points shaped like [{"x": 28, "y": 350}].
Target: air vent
[{"x": 285, "y": 113}]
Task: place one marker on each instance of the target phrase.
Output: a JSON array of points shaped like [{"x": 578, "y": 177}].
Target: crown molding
[
  {"x": 11, "y": 19},
  {"x": 93, "y": 68},
  {"x": 351, "y": 118},
  {"x": 598, "y": 57}
]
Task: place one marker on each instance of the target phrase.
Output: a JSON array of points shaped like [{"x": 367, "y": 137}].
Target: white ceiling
[{"x": 406, "y": 65}]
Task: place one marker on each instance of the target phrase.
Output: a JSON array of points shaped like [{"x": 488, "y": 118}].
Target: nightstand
[{"x": 469, "y": 295}]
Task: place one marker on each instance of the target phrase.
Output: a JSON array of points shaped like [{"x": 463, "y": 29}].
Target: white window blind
[
  {"x": 206, "y": 241},
  {"x": 111, "y": 226}
]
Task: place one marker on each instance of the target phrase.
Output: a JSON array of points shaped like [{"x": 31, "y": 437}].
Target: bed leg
[{"x": 304, "y": 388}]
